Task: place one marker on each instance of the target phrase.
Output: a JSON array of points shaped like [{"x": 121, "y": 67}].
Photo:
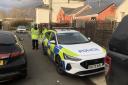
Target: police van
[{"x": 73, "y": 53}]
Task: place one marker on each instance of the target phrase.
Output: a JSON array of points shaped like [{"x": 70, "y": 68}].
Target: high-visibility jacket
[
  {"x": 43, "y": 33},
  {"x": 34, "y": 33}
]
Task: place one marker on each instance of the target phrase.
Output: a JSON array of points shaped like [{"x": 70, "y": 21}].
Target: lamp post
[{"x": 50, "y": 14}]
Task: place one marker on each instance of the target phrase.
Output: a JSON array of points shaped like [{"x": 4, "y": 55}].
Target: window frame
[{"x": 52, "y": 33}]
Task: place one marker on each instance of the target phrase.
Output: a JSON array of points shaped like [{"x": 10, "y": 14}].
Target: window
[
  {"x": 47, "y": 35},
  {"x": 52, "y": 37},
  {"x": 93, "y": 18},
  {"x": 9, "y": 48},
  {"x": 71, "y": 38}
]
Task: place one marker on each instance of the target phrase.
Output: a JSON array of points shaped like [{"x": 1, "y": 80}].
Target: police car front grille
[
  {"x": 90, "y": 71},
  {"x": 85, "y": 64}
]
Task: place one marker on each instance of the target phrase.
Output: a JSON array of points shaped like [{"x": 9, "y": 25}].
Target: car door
[
  {"x": 52, "y": 44},
  {"x": 47, "y": 36},
  {"x": 46, "y": 42},
  {"x": 119, "y": 69}
]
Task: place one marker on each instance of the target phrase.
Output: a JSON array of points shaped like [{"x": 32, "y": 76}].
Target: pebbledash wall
[{"x": 121, "y": 10}]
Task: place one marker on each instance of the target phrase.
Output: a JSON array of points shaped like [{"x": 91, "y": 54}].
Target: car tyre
[{"x": 59, "y": 66}]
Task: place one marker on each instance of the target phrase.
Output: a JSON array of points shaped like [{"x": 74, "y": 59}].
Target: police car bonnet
[{"x": 119, "y": 40}]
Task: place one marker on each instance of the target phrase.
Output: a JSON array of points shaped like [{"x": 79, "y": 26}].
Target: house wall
[
  {"x": 57, "y": 7},
  {"x": 62, "y": 18},
  {"x": 80, "y": 20},
  {"x": 121, "y": 11},
  {"x": 68, "y": 19},
  {"x": 107, "y": 14},
  {"x": 42, "y": 15}
]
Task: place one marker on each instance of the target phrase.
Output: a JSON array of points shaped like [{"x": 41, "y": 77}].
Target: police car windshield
[
  {"x": 71, "y": 38},
  {"x": 21, "y": 27}
]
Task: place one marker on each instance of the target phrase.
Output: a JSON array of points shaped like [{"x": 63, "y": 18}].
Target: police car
[{"x": 73, "y": 53}]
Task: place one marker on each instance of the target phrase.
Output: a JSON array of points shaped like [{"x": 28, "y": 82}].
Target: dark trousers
[{"x": 35, "y": 44}]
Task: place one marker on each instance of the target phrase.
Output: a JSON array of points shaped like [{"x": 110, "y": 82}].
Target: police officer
[
  {"x": 35, "y": 36},
  {"x": 45, "y": 28}
]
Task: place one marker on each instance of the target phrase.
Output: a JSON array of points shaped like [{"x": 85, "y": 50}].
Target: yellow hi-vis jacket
[
  {"x": 43, "y": 33},
  {"x": 34, "y": 33}
]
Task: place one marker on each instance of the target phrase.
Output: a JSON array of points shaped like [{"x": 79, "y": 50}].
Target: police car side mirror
[
  {"x": 89, "y": 38},
  {"x": 52, "y": 42}
]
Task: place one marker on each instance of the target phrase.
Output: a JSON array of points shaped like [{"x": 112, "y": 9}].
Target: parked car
[
  {"x": 21, "y": 29},
  {"x": 13, "y": 62},
  {"x": 117, "y": 56},
  {"x": 73, "y": 53}
]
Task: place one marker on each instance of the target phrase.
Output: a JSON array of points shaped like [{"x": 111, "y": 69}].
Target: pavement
[{"x": 41, "y": 71}]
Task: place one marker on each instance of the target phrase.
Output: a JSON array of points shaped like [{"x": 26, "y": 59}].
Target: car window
[
  {"x": 9, "y": 48},
  {"x": 21, "y": 27},
  {"x": 7, "y": 39},
  {"x": 52, "y": 37},
  {"x": 47, "y": 35},
  {"x": 71, "y": 38}
]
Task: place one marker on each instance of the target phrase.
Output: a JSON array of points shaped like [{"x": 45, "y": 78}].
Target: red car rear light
[
  {"x": 107, "y": 64},
  {"x": 16, "y": 54}
]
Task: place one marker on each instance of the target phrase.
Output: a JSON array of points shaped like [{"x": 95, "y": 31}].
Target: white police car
[{"x": 73, "y": 53}]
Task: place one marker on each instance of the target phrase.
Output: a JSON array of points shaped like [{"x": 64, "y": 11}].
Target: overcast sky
[{"x": 7, "y": 4}]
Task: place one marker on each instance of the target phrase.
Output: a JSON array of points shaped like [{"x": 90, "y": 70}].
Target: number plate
[
  {"x": 95, "y": 66},
  {"x": 1, "y": 62}
]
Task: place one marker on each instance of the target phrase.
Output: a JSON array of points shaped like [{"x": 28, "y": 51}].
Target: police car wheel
[
  {"x": 44, "y": 50},
  {"x": 59, "y": 66}
]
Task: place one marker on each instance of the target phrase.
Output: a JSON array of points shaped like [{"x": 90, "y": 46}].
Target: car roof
[
  {"x": 65, "y": 31},
  {"x": 7, "y": 37}
]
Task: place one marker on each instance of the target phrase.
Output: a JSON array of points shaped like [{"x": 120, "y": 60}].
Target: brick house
[
  {"x": 67, "y": 15},
  {"x": 64, "y": 15},
  {"x": 98, "y": 10},
  {"x": 42, "y": 13}
]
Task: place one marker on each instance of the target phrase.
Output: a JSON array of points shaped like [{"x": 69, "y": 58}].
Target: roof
[
  {"x": 100, "y": 5},
  {"x": 7, "y": 37},
  {"x": 67, "y": 11},
  {"x": 103, "y": 2},
  {"x": 77, "y": 9},
  {"x": 44, "y": 6},
  {"x": 65, "y": 30},
  {"x": 96, "y": 10}
]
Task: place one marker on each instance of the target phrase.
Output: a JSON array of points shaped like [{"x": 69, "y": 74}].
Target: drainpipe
[{"x": 50, "y": 14}]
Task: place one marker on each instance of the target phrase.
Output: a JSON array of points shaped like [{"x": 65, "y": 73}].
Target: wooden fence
[{"x": 99, "y": 32}]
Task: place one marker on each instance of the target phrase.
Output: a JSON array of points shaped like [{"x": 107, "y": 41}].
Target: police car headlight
[{"x": 67, "y": 57}]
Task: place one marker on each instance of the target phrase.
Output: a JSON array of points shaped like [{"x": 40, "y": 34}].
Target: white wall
[
  {"x": 42, "y": 15},
  {"x": 122, "y": 8}
]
